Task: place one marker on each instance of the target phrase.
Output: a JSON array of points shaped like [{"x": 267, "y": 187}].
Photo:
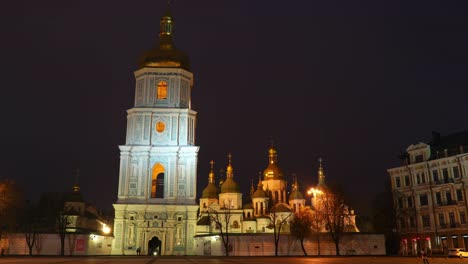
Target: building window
[
  {"x": 162, "y": 90},
  {"x": 462, "y": 218},
  {"x": 423, "y": 177},
  {"x": 398, "y": 182},
  {"x": 441, "y": 220},
  {"x": 423, "y": 199},
  {"x": 438, "y": 198},
  {"x": 418, "y": 158},
  {"x": 400, "y": 203},
  {"x": 403, "y": 223},
  {"x": 459, "y": 195},
  {"x": 452, "y": 219},
  {"x": 407, "y": 181},
  {"x": 418, "y": 178},
  {"x": 410, "y": 201},
  {"x": 456, "y": 172},
  {"x": 426, "y": 221},
  {"x": 435, "y": 175},
  {"x": 157, "y": 181},
  {"x": 455, "y": 241},
  {"x": 448, "y": 195},
  {"x": 412, "y": 222},
  {"x": 445, "y": 175}
]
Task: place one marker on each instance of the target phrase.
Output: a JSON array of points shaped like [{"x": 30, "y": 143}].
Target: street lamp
[{"x": 314, "y": 192}]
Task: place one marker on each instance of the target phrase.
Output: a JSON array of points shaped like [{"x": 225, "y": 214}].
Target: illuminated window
[
  {"x": 162, "y": 90},
  {"x": 157, "y": 181}
]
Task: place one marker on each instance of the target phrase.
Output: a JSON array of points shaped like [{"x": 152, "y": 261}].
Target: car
[{"x": 457, "y": 252}]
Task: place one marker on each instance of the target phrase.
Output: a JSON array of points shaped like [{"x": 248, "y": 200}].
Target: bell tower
[{"x": 158, "y": 163}]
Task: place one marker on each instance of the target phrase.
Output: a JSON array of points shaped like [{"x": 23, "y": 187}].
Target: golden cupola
[
  {"x": 210, "y": 191},
  {"x": 272, "y": 172},
  {"x": 229, "y": 185},
  {"x": 164, "y": 54},
  {"x": 259, "y": 193},
  {"x": 295, "y": 193}
]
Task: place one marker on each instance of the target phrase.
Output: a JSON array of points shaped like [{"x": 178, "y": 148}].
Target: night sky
[{"x": 353, "y": 82}]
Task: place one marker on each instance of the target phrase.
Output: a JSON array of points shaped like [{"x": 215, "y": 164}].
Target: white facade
[{"x": 156, "y": 210}]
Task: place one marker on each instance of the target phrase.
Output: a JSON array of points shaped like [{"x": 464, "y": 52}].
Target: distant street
[{"x": 226, "y": 260}]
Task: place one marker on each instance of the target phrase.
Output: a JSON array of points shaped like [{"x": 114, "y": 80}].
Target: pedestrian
[
  {"x": 138, "y": 250},
  {"x": 424, "y": 256}
]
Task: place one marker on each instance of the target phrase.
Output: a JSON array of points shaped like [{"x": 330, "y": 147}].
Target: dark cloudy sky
[{"x": 353, "y": 82}]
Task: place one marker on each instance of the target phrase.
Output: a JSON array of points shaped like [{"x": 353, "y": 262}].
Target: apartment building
[{"x": 430, "y": 195}]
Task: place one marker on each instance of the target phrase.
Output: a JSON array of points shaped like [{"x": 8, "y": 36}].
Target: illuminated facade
[
  {"x": 221, "y": 206},
  {"x": 429, "y": 194},
  {"x": 156, "y": 210},
  {"x": 254, "y": 216}
]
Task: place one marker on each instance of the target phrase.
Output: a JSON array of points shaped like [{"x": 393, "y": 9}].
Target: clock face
[{"x": 160, "y": 126}]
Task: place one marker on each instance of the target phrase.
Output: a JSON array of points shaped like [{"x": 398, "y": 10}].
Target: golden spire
[
  {"x": 272, "y": 152},
  {"x": 294, "y": 186},
  {"x": 76, "y": 187},
  {"x": 321, "y": 174},
  {"x": 211, "y": 175},
  {"x": 260, "y": 184},
  {"x": 229, "y": 169}
]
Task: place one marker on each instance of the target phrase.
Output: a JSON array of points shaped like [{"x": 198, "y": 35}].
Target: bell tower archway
[{"x": 154, "y": 246}]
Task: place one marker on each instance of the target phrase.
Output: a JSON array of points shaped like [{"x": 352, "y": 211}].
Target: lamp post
[{"x": 314, "y": 193}]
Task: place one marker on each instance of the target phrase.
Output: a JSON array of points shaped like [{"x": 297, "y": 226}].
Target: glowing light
[
  {"x": 314, "y": 191},
  {"x": 106, "y": 229}
]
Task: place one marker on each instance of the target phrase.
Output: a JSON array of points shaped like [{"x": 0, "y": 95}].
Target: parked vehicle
[{"x": 458, "y": 252}]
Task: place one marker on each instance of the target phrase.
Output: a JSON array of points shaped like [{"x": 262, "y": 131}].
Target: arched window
[
  {"x": 162, "y": 90},
  {"x": 235, "y": 224},
  {"x": 157, "y": 181}
]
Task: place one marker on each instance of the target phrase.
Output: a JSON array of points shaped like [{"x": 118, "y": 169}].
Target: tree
[
  {"x": 301, "y": 225},
  {"x": 11, "y": 202},
  {"x": 279, "y": 215},
  {"x": 62, "y": 223},
  {"x": 335, "y": 215},
  {"x": 317, "y": 223},
  {"x": 221, "y": 217},
  {"x": 31, "y": 226}
]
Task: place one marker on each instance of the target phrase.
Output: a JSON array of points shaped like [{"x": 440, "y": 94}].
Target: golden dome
[
  {"x": 259, "y": 193},
  {"x": 229, "y": 185},
  {"x": 164, "y": 54},
  {"x": 210, "y": 191},
  {"x": 272, "y": 172}
]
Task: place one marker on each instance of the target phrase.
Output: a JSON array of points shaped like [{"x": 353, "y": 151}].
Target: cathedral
[{"x": 156, "y": 212}]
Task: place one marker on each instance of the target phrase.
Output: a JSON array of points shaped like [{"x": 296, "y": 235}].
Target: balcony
[
  {"x": 451, "y": 225},
  {"x": 444, "y": 181},
  {"x": 447, "y": 203}
]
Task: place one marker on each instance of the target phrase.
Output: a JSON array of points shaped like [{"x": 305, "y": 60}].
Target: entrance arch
[{"x": 154, "y": 247}]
